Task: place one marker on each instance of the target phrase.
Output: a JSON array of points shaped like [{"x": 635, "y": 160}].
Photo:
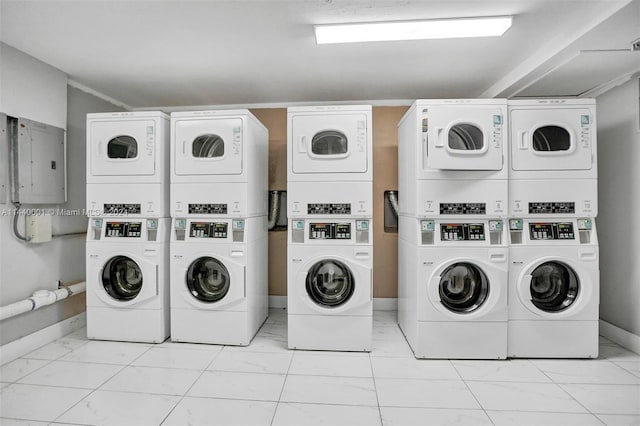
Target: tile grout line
[
  {"x": 471, "y": 392},
  {"x": 563, "y": 390},
  {"x": 284, "y": 383},
  {"x": 375, "y": 388},
  {"x": 98, "y": 387},
  {"x": 192, "y": 385}
]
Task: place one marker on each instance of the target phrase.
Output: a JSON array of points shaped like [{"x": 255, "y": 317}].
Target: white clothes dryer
[
  {"x": 226, "y": 148},
  {"x": 128, "y": 164},
  {"x": 452, "y": 155},
  {"x": 329, "y": 285},
  {"x": 553, "y": 157},
  {"x": 218, "y": 280},
  {"x": 128, "y": 279},
  {"x": 329, "y": 161},
  {"x": 553, "y": 288},
  {"x": 452, "y": 287}
]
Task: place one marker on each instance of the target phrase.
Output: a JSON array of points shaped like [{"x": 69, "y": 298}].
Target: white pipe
[{"x": 41, "y": 298}]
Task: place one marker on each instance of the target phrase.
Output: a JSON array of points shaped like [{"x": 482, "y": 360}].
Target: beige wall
[{"x": 385, "y": 177}]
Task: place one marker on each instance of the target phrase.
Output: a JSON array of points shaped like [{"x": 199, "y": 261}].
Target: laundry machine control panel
[
  {"x": 208, "y": 230},
  {"x": 329, "y": 231},
  {"x": 123, "y": 229},
  {"x": 462, "y": 232},
  {"x": 348, "y": 231},
  {"x": 551, "y": 231}
]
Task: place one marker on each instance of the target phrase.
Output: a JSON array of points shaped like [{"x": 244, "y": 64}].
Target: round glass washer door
[
  {"x": 554, "y": 286},
  {"x": 330, "y": 283},
  {"x": 208, "y": 280},
  {"x": 122, "y": 278},
  {"x": 463, "y": 287}
]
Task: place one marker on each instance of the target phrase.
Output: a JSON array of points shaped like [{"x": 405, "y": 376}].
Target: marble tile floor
[{"x": 73, "y": 381}]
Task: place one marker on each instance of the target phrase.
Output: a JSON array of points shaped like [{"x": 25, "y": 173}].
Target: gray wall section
[
  {"x": 619, "y": 204},
  {"x": 70, "y": 254}
]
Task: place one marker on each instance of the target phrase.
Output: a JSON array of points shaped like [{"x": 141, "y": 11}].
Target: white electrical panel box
[
  {"x": 38, "y": 228},
  {"x": 38, "y": 154},
  {"x": 4, "y": 155}
]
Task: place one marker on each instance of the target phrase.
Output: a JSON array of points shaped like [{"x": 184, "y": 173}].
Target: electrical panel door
[{"x": 39, "y": 167}]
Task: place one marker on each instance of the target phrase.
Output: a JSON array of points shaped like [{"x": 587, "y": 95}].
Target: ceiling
[{"x": 194, "y": 53}]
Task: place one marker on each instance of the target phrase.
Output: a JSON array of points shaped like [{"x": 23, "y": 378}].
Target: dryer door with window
[
  {"x": 122, "y": 148},
  {"x": 213, "y": 281},
  {"x": 329, "y": 143},
  {"x": 126, "y": 280},
  {"x": 211, "y": 146},
  {"x": 554, "y": 139},
  {"x": 463, "y": 138}
]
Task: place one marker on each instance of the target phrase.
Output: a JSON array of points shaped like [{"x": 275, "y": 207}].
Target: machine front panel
[{"x": 463, "y": 208}]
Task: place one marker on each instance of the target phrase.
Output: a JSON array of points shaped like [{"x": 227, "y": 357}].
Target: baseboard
[
  {"x": 379, "y": 303},
  {"x": 278, "y": 302},
  {"x": 620, "y": 336},
  {"x": 385, "y": 304},
  {"x": 26, "y": 344}
]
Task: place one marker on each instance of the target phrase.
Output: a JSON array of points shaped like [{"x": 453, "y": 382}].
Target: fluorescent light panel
[{"x": 413, "y": 30}]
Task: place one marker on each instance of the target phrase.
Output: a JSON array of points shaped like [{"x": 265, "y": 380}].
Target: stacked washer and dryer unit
[
  {"x": 452, "y": 245},
  {"x": 219, "y": 178},
  {"x": 127, "y": 251},
  {"x": 330, "y": 240},
  {"x": 554, "y": 272}
]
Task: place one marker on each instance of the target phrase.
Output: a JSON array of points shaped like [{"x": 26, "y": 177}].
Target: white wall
[
  {"x": 619, "y": 206},
  {"x": 32, "y": 89}
]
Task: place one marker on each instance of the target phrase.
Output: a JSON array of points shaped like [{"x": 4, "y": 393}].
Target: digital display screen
[
  {"x": 329, "y": 231},
  {"x": 552, "y": 208},
  {"x": 329, "y": 208},
  {"x": 208, "y": 230},
  {"x": 207, "y": 209},
  {"x": 463, "y": 208},
  {"x": 462, "y": 232},
  {"x": 122, "y": 209},
  {"x": 123, "y": 229}
]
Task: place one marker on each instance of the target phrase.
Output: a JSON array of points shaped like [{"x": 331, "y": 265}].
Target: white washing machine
[
  {"x": 553, "y": 158},
  {"x": 228, "y": 148},
  {"x": 453, "y": 287},
  {"x": 219, "y": 280},
  {"x": 128, "y": 279},
  {"x": 128, "y": 164},
  {"x": 452, "y": 155},
  {"x": 329, "y": 285},
  {"x": 329, "y": 147},
  {"x": 553, "y": 288}
]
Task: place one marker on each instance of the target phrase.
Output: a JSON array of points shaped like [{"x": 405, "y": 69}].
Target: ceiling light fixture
[{"x": 412, "y": 30}]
